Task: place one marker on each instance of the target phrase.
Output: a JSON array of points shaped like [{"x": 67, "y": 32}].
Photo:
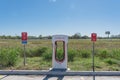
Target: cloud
[{"x": 52, "y": 0}]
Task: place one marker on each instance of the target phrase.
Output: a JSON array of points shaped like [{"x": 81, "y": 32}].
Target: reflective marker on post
[
  {"x": 24, "y": 41},
  {"x": 24, "y": 38},
  {"x": 93, "y": 37}
]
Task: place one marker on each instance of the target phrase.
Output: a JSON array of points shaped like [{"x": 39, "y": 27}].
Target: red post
[
  {"x": 93, "y": 39},
  {"x": 24, "y": 42}
]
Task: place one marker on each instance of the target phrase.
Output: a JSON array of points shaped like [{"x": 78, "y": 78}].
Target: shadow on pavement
[
  {"x": 58, "y": 77},
  {"x": 4, "y": 77}
]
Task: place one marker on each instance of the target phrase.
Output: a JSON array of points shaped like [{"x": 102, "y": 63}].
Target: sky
[{"x": 51, "y": 17}]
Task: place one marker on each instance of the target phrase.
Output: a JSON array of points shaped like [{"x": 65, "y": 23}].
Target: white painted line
[{"x": 1, "y": 76}]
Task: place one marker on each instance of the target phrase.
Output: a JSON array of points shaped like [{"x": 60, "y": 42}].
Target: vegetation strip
[{"x": 39, "y": 55}]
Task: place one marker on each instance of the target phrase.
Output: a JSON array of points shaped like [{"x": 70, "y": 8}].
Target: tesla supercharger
[{"x": 59, "y": 63}]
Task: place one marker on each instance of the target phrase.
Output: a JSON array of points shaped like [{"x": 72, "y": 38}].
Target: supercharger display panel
[{"x": 59, "y": 56}]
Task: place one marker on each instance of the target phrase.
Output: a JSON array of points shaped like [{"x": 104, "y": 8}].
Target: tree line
[{"x": 75, "y": 36}]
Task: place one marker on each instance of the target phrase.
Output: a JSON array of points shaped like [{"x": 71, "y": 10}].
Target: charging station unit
[{"x": 59, "y": 63}]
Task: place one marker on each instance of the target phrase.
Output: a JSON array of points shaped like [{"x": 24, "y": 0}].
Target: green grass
[
  {"x": 39, "y": 54},
  {"x": 33, "y": 63}
]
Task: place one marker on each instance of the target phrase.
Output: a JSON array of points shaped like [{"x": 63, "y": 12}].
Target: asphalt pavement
[{"x": 36, "y": 77}]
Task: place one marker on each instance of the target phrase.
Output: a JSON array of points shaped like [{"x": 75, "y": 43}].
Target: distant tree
[
  {"x": 118, "y": 35},
  {"x": 40, "y": 37},
  {"x": 3, "y": 37},
  {"x": 115, "y": 36},
  {"x": 49, "y": 37},
  {"x": 18, "y": 37},
  {"x": 107, "y": 33},
  {"x": 85, "y": 37},
  {"x": 76, "y": 36},
  {"x": 32, "y": 37}
]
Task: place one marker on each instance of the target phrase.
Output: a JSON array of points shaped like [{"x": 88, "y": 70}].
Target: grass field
[{"x": 39, "y": 53}]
